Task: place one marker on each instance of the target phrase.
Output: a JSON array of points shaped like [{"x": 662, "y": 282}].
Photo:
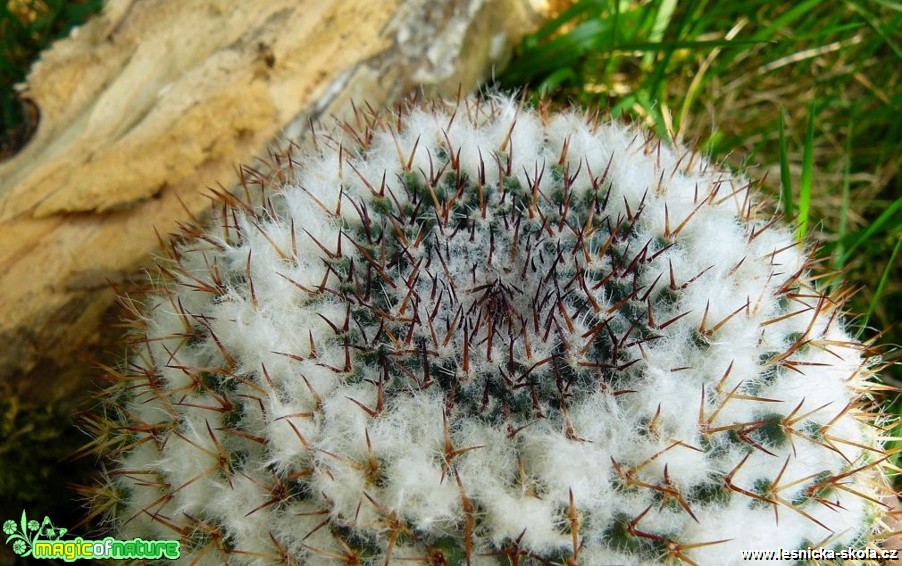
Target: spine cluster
[{"x": 479, "y": 333}]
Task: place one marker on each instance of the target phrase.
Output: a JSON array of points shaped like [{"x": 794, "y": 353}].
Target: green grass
[
  {"x": 26, "y": 28},
  {"x": 806, "y": 95},
  {"x": 804, "y": 208}
]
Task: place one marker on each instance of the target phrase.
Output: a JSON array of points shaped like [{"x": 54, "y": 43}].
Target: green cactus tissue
[{"x": 481, "y": 333}]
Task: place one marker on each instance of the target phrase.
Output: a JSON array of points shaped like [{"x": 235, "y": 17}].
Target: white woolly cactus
[{"x": 480, "y": 333}]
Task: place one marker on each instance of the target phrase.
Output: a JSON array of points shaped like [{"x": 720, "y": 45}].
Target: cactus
[{"x": 482, "y": 333}]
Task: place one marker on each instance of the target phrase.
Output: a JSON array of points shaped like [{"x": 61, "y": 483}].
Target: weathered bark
[{"x": 154, "y": 100}]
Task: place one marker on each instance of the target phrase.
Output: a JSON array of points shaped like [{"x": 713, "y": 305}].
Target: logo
[{"x": 44, "y": 540}]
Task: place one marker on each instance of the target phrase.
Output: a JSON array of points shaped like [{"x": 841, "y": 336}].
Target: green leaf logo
[{"x": 26, "y": 533}]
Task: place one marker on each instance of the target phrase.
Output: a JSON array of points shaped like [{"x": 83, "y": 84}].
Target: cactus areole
[{"x": 481, "y": 333}]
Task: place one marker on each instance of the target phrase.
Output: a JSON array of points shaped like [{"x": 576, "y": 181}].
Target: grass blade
[
  {"x": 805, "y": 182},
  {"x": 690, "y": 44},
  {"x": 875, "y": 300},
  {"x": 843, "y": 228},
  {"x": 856, "y": 239},
  {"x": 785, "y": 177},
  {"x": 662, "y": 20}
]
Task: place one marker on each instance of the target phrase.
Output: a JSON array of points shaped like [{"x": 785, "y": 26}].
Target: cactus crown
[{"x": 482, "y": 333}]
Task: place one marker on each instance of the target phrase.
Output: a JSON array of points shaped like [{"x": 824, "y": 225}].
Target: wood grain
[{"x": 153, "y": 101}]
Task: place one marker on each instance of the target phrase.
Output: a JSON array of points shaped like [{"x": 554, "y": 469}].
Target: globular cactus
[{"x": 482, "y": 333}]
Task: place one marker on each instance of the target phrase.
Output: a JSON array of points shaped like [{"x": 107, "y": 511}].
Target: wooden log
[{"x": 153, "y": 101}]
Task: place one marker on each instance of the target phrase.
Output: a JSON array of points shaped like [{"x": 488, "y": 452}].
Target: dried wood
[{"x": 153, "y": 101}]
